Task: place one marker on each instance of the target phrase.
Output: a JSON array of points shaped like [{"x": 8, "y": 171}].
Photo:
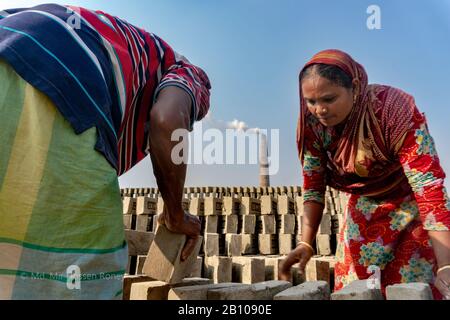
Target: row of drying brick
[
  {"x": 246, "y": 269},
  {"x": 191, "y": 192},
  {"x": 234, "y": 204},
  {"x": 265, "y": 234},
  {"x": 235, "y": 245},
  {"x": 211, "y": 206},
  {"x": 202, "y": 289},
  {"x": 249, "y": 270},
  {"x": 335, "y": 203}
]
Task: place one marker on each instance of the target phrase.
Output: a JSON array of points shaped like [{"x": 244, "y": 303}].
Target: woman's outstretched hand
[{"x": 301, "y": 255}]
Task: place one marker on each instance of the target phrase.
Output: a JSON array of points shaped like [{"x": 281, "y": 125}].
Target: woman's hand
[
  {"x": 301, "y": 255},
  {"x": 443, "y": 283},
  {"x": 188, "y": 224}
]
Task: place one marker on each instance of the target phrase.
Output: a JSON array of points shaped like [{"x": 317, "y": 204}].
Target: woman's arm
[
  {"x": 313, "y": 164},
  {"x": 312, "y": 216},
  {"x": 422, "y": 167}
]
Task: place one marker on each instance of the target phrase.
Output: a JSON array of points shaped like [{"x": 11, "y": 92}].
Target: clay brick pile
[{"x": 246, "y": 233}]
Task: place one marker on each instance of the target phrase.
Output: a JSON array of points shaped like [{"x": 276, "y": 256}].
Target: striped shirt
[{"x": 99, "y": 71}]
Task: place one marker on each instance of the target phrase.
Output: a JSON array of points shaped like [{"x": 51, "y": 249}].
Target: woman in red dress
[{"x": 371, "y": 142}]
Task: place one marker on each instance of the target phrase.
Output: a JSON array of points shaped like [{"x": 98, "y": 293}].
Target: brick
[
  {"x": 152, "y": 290},
  {"x": 249, "y": 243},
  {"x": 233, "y": 243},
  {"x": 409, "y": 291},
  {"x": 185, "y": 203},
  {"x": 197, "y": 270},
  {"x": 129, "y": 221},
  {"x": 329, "y": 206},
  {"x": 140, "y": 264},
  {"x": 318, "y": 290},
  {"x": 269, "y": 205},
  {"x": 131, "y": 265},
  {"x": 248, "y": 270},
  {"x": 197, "y": 292},
  {"x": 286, "y": 224},
  {"x": 194, "y": 281},
  {"x": 129, "y": 205},
  {"x": 146, "y": 205},
  {"x": 229, "y": 224},
  {"x": 231, "y": 206},
  {"x": 318, "y": 269},
  {"x": 357, "y": 290},
  {"x": 211, "y": 245},
  {"x": 268, "y": 290},
  {"x": 222, "y": 245},
  {"x": 163, "y": 262},
  {"x": 158, "y": 290},
  {"x": 138, "y": 242},
  {"x": 213, "y": 206},
  {"x": 144, "y": 223},
  {"x": 243, "y": 292},
  {"x": 298, "y": 239},
  {"x": 325, "y": 225},
  {"x": 286, "y": 205},
  {"x": 266, "y": 224},
  {"x": 331, "y": 261},
  {"x": 250, "y": 206},
  {"x": 267, "y": 244},
  {"x": 249, "y": 224},
  {"x": 323, "y": 244},
  {"x": 259, "y": 291},
  {"x": 298, "y": 225},
  {"x": 129, "y": 280},
  {"x": 337, "y": 223},
  {"x": 212, "y": 223},
  {"x": 197, "y": 207},
  {"x": 218, "y": 269},
  {"x": 272, "y": 265},
  {"x": 285, "y": 243},
  {"x": 299, "y": 205},
  {"x": 297, "y": 277}
]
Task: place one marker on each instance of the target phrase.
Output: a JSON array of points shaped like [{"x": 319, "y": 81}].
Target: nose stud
[{"x": 323, "y": 111}]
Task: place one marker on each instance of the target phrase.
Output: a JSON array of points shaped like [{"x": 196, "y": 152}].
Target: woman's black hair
[{"x": 332, "y": 73}]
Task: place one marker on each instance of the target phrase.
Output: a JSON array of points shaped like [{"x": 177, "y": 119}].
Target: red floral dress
[{"x": 389, "y": 233}]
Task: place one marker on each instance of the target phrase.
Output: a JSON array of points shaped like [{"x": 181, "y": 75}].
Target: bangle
[
  {"x": 443, "y": 268},
  {"x": 307, "y": 244}
]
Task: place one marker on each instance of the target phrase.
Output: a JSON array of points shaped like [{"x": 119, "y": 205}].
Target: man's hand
[
  {"x": 443, "y": 283},
  {"x": 189, "y": 225},
  {"x": 301, "y": 255}
]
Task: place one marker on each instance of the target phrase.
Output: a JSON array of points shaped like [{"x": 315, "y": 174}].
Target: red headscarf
[{"x": 362, "y": 126}]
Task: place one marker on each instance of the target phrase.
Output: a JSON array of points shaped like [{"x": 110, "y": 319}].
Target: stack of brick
[
  {"x": 247, "y": 233},
  {"x": 245, "y": 229}
]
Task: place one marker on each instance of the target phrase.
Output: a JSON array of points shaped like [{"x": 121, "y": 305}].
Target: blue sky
[{"x": 252, "y": 51}]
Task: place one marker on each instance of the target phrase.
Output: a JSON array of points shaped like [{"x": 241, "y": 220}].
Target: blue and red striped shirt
[{"x": 99, "y": 71}]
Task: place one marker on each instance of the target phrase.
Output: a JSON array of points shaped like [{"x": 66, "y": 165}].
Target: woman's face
[{"x": 328, "y": 102}]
